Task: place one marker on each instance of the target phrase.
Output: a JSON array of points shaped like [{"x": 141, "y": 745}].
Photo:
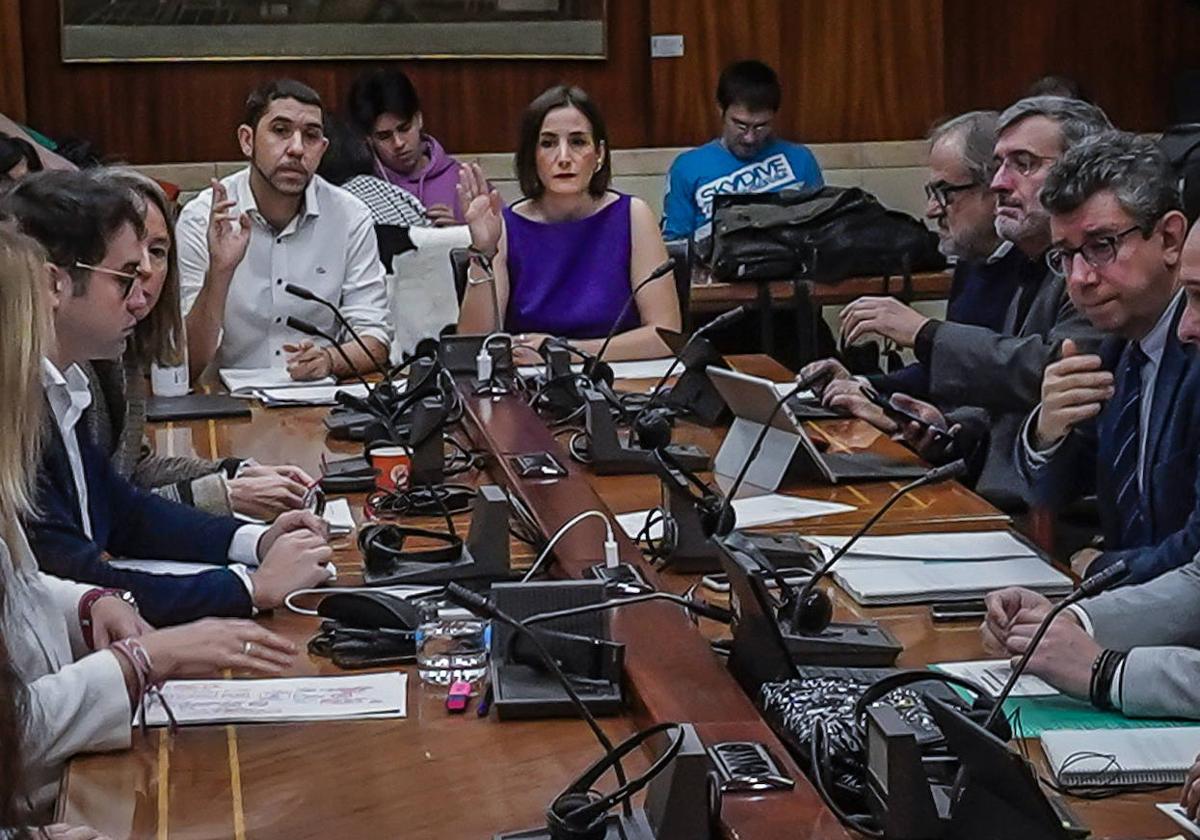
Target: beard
[{"x": 1032, "y": 225}]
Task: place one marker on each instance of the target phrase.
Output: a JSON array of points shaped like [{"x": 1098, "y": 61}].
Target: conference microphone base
[
  {"x": 847, "y": 644},
  {"x": 609, "y": 456}
]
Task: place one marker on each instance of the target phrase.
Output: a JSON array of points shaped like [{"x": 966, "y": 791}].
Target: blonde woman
[
  {"x": 117, "y": 420},
  {"x": 83, "y": 655}
]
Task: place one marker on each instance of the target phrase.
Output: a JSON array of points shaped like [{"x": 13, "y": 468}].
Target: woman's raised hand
[{"x": 481, "y": 207}]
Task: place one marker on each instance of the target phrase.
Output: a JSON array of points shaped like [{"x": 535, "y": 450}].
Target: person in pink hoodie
[{"x": 383, "y": 105}]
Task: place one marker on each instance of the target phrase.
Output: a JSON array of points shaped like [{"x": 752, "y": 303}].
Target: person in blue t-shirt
[{"x": 746, "y": 158}]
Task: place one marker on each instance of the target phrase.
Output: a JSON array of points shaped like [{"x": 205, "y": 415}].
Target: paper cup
[
  {"x": 393, "y": 467},
  {"x": 169, "y": 381}
]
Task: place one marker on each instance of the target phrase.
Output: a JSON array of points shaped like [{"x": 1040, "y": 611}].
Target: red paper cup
[{"x": 393, "y": 467}]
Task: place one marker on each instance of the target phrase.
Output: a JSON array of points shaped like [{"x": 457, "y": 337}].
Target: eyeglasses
[
  {"x": 941, "y": 192},
  {"x": 1097, "y": 252},
  {"x": 126, "y": 278},
  {"x": 1023, "y": 162},
  {"x": 750, "y": 128}
]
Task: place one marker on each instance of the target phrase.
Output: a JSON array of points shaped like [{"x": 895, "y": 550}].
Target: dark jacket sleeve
[
  {"x": 132, "y": 523},
  {"x": 912, "y": 379}
]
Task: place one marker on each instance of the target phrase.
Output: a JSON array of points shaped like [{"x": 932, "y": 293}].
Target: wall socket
[{"x": 666, "y": 46}]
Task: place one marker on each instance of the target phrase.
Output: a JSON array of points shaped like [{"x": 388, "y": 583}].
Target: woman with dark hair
[
  {"x": 383, "y": 105},
  {"x": 564, "y": 260},
  {"x": 18, "y": 158},
  {"x": 117, "y": 417}
]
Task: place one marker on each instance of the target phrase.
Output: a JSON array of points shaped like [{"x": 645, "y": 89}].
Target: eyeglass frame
[
  {"x": 127, "y": 279},
  {"x": 941, "y": 191},
  {"x": 1008, "y": 161},
  {"x": 1110, "y": 242}
]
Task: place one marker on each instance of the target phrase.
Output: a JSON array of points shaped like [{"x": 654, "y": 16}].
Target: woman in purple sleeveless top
[{"x": 567, "y": 257}]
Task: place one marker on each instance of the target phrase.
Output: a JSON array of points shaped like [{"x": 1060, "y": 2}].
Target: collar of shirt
[
  {"x": 68, "y": 393},
  {"x": 1000, "y": 253},
  {"x": 1155, "y": 342},
  {"x": 310, "y": 208}
]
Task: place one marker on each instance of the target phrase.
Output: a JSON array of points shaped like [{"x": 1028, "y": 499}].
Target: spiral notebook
[{"x": 1121, "y": 757}]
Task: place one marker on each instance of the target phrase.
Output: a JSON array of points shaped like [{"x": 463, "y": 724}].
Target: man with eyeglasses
[
  {"x": 274, "y": 223},
  {"x": 746, "y": 158},
  {"x": 94, "y": 238},
  {"x": 1122, "y": 423},
  {"x": 963, "y": 209}
]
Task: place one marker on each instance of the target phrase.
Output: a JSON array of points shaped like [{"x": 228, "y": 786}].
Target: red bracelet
[{"x": 89, "y": 600}]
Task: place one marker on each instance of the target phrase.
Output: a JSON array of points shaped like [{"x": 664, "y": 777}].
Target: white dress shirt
[
  {"x": 329, "y": 248},
  {"x": 69, "y": 397},
  {"x": 1153, "y": 344}
]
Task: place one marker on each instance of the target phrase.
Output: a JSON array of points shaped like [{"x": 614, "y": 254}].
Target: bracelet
[
  {"x": 139, "y": 660},
  {"x": 1104, "y": 668},
  {"x": 89, "y": 600}
]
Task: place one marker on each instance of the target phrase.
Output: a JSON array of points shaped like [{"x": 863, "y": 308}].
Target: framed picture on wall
[{"x": 191, "y": 30}]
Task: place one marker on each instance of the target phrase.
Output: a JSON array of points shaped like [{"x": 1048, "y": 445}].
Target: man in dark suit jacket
[
  {"x": 1123, "y": 423},
  {"x": 93, "y": 234}
]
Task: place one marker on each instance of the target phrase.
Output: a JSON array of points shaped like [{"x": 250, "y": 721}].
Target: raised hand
[
  {"x": 228, "y": 232},
  {"x": 1074, "y": 389},
  {"x": 481, "y": 207}
]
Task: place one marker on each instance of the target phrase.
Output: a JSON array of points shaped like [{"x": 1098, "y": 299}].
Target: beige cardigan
[{"x": 76, "y": 700}]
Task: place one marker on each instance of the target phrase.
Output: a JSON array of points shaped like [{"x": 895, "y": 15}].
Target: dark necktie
[{"x": 1129, "y": 450}]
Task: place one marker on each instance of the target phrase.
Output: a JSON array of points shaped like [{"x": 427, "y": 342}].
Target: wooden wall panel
[
  {"x": 1125, "y": 54},
  {"x": 154, "y": 113},
  {"x": 12, "y": 61}
]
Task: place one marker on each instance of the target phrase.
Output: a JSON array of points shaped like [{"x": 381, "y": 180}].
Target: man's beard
[
  {"x": 286, "y": 189},
  {"x": 1033, "y": 225}
]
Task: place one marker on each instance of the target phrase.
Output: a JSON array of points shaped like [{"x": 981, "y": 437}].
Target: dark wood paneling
[
  {"x": 12, "y": 61},
  {"x": 1124, "y": 54},
  {"x": 852, "y": 70},
  {"x": 187, "y": 111}
]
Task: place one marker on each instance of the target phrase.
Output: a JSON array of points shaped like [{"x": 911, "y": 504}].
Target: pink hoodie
[{"x": 434, "y": 183}]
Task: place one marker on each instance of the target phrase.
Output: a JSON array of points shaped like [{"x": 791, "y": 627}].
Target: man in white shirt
[
  {"x": 243, "y": 240},
  {"x": 93, "y": 234}
]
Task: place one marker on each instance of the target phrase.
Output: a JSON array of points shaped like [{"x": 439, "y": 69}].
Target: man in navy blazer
[
  {"x": 1123, "y": 423},
  {"x": 94, "y": 237}
]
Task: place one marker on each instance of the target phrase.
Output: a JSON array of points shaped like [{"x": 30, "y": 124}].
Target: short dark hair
[
  {"x": 1133, "y": 168},
  {"x": 13, "y": 150},
  {"x": 347, "y": 154},
  {"x": 261, "y": 97},
  {"x": 381, "y": 91},
  {"x": 559, "y": 96},
  {"x": 73, "y": 216},
  {"x": 1056, "y": 85},
  {"x": 751, "y": 84}
]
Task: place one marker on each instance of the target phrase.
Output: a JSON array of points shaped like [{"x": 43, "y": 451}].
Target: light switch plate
[{"x": 666, "y": 46}]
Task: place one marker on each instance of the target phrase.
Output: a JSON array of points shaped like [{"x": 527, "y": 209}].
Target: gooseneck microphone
[
  {"x": 1091, "y": 586},
  {"x": 306, "y": 294},
  {"x": 594, "y": 368},
  {"x": 811, "y": 610},
  {"x": 486, "y": 608}
]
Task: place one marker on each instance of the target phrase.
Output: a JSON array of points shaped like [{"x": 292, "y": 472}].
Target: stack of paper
[
  {"x": 949, "y": 547},
  {"x": 243, "y": 382},
  {"x": 294, "y": 395},
  {"x": 1121, "y": 757},
  {"x": 355, "y": 697},
  {"x": 993, "y": 674},
  {"x": 888, "y": 582},
  {"x": 337, "y": 516},
  {"x": 751, "y": 512}
]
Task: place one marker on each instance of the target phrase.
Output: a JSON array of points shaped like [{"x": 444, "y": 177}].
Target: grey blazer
[
  {"x": 1001, "y": 374},
  {"x": 1158, "y": 624}
]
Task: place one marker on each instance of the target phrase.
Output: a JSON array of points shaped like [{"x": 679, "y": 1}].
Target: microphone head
[
  {"x": 946, "y": 472},
  {"x": 299, "y": 291},
  {"x": 300, "y": 325},
  {"x": 458, "y": 594},
  {"x": 665, "y": 268},
  {"x": 717, "y": 519},
  {"x": 1103, "y": 579},
  {"x": 652, "y": 428},
  {"x": 807, "y": 614},
  {"x": 598, "y": 370}
]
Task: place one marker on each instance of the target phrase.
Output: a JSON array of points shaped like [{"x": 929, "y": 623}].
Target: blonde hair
[
  {"x": 159, "y": 336},
  {"x": 26, "y": 326}
]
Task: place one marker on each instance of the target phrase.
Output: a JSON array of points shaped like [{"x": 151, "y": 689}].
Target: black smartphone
[
  {"x": 901, "y": 416},
  {"x": 957, "y": 610}
]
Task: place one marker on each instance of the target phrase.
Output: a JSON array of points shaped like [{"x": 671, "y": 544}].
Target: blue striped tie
[{"x": 1129, "y": 451}]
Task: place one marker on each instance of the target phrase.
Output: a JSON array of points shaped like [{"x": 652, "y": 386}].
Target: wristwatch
[{"x": 89, "y": 600}]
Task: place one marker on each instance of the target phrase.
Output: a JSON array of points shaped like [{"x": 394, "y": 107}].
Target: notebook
[
  {"x": 1121, "y": 757},
  {"x": 243, "y": 382},
  {"x": 887, "y": 582},
  {"x": 952, "y": 546}
]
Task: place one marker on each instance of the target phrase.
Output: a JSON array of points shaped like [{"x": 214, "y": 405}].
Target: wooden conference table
[{"x": 433, "y": 775}]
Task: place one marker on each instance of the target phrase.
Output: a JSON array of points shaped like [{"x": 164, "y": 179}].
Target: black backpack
[{"x": 825, "y": 235}]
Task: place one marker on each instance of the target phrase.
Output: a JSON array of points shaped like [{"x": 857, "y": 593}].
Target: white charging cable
[
  {"x": 611, "y": 559},
  {"x": 484, "y": 363}
]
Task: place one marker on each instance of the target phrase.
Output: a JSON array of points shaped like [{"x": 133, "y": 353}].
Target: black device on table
[
  {"x": 195, "y": 407},
  {"x": 902, "y": 416}
]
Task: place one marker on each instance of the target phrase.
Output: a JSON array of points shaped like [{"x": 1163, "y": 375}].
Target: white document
[
  {"x": 885, "y": 582},
  {"x": 242, "y": 382},
  {"x": 307, "y": 394},
  {"x": 782, "y": 388},
  {"x": 751, "y": 511},
  {"x": 1121, "y": 756},
  {"x": 337, "y": 516},
  {"x": 952, "y": 546},
  {"x": 993, "y": 675},
  {"x": 354, "y": 697},
  {"x": 1172, "y": 810},
  {"x": 183, "y": 567},
  {"x": 645, "y": 369}
]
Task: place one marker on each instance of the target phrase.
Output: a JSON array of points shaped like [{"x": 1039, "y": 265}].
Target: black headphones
[
  {"x": 981, "y": 706},
  {"x": 382, "y": 546},
  {"x": 580, "y": 812}
]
